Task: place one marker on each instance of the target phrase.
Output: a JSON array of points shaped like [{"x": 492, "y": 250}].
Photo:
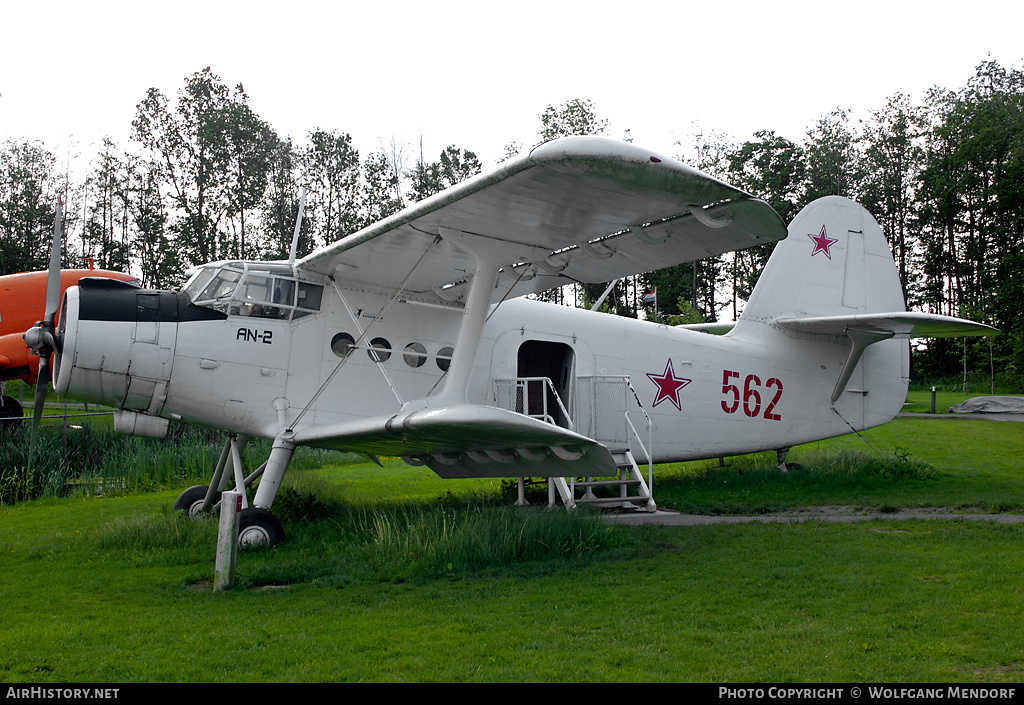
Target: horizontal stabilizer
[
  {"x": 469, "y": 440},
  {"x": 866, "y": 329},
  {"x": 718, "y": 328},
  {"x": 909, "y": 324}
]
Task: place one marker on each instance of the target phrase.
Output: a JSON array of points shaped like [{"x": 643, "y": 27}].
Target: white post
[{"x": 227, "y": 540}]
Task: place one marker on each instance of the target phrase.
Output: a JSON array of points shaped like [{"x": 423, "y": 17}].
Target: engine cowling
[{"x": 117, "y": 343}]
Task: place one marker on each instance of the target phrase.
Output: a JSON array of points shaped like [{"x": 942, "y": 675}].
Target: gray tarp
[{"x": 990, "y": 405}]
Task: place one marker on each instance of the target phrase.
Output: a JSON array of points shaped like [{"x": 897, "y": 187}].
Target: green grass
[
  {"x": 951, "y": 463},
  {"x": 391, "y": 574},
  {"x": 116, "y": 590}
]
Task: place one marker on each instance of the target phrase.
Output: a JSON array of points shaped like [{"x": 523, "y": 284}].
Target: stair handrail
[
  {"x": 650, "y": 438},
  {"x": 524, "y": 382}
]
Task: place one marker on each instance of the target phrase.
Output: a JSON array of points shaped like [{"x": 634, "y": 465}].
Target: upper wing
[{"x": 576, "y": 209}]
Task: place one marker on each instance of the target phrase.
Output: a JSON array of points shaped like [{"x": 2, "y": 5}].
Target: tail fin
[
  {"x": 834, "y": 262},
  {"x": 834, "y": 278}
]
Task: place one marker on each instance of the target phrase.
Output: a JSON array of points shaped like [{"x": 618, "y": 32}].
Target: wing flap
[{"x": 469, "y": 440}]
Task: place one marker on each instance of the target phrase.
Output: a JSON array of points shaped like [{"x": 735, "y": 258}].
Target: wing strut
[
  {"x": 490, "y": 255},
  {"x": 488, "y": 262},
  {"x": 362, "y": 336},
  {"x": 380, "y": 315}
]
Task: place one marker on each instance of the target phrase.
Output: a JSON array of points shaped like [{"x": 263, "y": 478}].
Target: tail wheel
[
  {"x": 258, "y": 527},
  {"x": 191, "y": 500}
]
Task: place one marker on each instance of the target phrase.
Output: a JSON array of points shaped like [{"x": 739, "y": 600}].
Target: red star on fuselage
[
  {"x": 822, "y": 242},
  {"x": 668, "y": 386}
]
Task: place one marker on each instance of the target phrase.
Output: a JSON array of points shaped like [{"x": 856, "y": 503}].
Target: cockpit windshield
[{"x": 248, "y": 289}]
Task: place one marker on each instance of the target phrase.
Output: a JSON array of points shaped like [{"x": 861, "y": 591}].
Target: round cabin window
[
  {"x": 380, "y": 350},
  {"x": 415, "y": 355},
  {"x": 444, "y": 358},
  {"x": 342, "y": 344}
]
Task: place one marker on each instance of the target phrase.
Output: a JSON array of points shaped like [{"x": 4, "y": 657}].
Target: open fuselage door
[{"x": 546, "y": 379}]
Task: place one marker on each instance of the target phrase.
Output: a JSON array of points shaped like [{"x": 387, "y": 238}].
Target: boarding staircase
[{"x": 605, "y": 408}]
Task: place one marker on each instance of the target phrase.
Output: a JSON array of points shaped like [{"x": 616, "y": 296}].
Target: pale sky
[{"x": 477, "y": 75}]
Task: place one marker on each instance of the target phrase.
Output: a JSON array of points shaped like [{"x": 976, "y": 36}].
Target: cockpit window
[
  {"x": 240, "y": 290},
  {"x": 221, "y": 286},
  {"x": 310, "y": 296},
  {"x": 199, "y": 281},
  {"x": 256, "y": 287},
  {"x": 284, "y": 291}
]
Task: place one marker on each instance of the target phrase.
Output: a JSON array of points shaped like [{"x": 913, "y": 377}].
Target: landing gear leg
[
  {"x": 256, "y": 525},
  {"x": 206, "y": 498},
  {"x": 781, "y": 456},
  {"x": 273, "y": 473}
]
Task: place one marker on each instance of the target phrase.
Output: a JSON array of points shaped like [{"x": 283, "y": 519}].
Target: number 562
[{"x": 750, "y": 396}]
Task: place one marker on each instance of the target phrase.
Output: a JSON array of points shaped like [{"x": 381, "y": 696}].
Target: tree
[
  {"x": 773, "y": 169},
  {"x": 105, "y": 237},
  {"x": 28, "y": 196},
  {"x": 281, "y": 204},
  {"x": 213, "y": 152},
  {"x": 833, "y": 162},
  {"x": 249, "y": 144},
  {"x": 893, "y": 156},
  {"x": 574, "y": 117},
  {"x": 378, "y": 197},
  {"x": 453, "y": 166},
  {"x": 151, "y": 248},
  {"x": 971, "y": 200},
  {"x": 330, "y": 175}
]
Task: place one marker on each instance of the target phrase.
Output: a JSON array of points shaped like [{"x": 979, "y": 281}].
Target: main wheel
[
  {"x": 11, "y": 412},
  {"x": 258, "y": 527},
  {"x": 191, "y": 500}
]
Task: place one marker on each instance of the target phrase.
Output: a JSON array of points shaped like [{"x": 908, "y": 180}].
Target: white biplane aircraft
[{"x": 414, "y": 337}]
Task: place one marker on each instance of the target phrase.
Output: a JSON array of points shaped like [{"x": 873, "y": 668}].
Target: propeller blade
[
  {"x": 53, "y": 277},
  {"x": 42, "y": 384},
  {"x": 40, "y": 337}
]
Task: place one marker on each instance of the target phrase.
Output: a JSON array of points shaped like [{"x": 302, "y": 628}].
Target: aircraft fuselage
[{"x": 158, "y": 354}]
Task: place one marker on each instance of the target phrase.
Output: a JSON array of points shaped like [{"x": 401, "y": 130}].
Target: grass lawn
[
  {"x": 117, "y": 589},
  {"x": 970, "y": 464}
]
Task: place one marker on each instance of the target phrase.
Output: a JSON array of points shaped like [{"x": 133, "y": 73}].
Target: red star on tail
[{"x": 822, "y": 242}]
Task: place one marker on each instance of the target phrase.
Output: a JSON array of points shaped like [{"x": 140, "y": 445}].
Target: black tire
[
  {"x": 11, "y": 412},
  {"x": 258, "y": 527},
  {"x": 191, "y": 500}
]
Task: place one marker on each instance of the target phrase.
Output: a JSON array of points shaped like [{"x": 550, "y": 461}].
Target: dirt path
[{"x": 831, "y": 514}]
